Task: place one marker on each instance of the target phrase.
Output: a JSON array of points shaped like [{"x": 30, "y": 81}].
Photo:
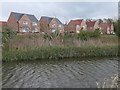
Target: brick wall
[{"x": 12, "y": 23}]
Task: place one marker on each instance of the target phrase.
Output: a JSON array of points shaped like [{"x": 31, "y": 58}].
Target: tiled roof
[
  {"x": 18, "y": 16},
  {"x": 48, "y": 19},
  {"x": 90, "y": 23},
  {"x": 76, "y": 22},
  {"x": 58, "y": 21}
]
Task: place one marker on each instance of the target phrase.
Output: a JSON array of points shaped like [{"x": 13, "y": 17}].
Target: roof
[
  {"x": 90, "y": 23},
  {"x": 76, "y": 22},
  {"x": 48, "y": 19},
  {"x": 18, "y": 16},
  {"x": 58, "y": 21}
]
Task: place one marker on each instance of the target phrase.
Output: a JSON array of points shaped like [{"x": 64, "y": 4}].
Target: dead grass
[
  {"x": 109, "y": 83},
  {"x": 37, "y": 40}
]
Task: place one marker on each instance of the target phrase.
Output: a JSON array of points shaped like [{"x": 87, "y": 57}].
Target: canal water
[{"x": 69, "y": 73}]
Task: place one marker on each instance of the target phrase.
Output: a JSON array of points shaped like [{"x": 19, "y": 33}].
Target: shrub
[
  {"x": 7, "y": 34},
  {"x": 117, "y": 27},
  {"x": 85, "y": 35},
  {"x": 96, "y": 33}
]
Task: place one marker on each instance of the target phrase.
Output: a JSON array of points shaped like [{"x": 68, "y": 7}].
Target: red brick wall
[
  {"x": 12, "y": 23},
  {"x": 44, "y": 26},
  {"x": 54, "y": 22},
  {"x": 23, "y": 19},
  {"x": 3, "y": 24},
  {"x": 71, "y": 27}
]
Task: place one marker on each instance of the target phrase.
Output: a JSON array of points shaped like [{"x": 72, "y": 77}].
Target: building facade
[{"x": 23, "y": 23}]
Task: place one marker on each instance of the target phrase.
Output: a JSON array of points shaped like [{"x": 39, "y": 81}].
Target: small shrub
[
  {"x": 7, "y": 34},
  {"x": 85, "y": 35}
]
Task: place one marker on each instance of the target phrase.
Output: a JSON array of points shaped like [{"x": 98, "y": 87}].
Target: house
[
  {"x": 92, "y": 25},
  {"x": 50, "y": 24},
  {"x": 22, "y": 23},
  {"x": 76, "y": 26},
  {"x": 107, "y": 28},
  {"x": 3, "y": 23}
]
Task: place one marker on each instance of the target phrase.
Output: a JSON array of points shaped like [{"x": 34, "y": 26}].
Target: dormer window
[
  {"x": 25, "y": 22},
  {"x": 34, "y": 23}
]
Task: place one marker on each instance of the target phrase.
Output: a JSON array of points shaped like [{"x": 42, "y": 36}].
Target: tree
[{"x": 117, "y": 27}]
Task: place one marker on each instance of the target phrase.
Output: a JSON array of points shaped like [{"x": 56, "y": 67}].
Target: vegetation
[
  {"x": 57, "y": 46},
  {"x": 109, "y": 83},
  {"x": 7, "y": 34},
  {"x": 59, "y": 53},
  {"x": 117, "y": 27},
  {"x": 85, "y": 35}
]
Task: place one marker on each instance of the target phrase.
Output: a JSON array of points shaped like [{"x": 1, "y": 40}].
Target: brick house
[
  {"x": 92, "y": 25},
  {"x": 76, "y": 26},
  {"x": 21, "y": 22},
  {"x": 3, "y": 23},
  {"x": 107, "y": 28},
  {"x": 50, "y": 24}
]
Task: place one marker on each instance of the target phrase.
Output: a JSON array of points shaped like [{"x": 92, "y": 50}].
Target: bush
[
  {"x": 85, "y": 35},
  {"x": 117, "y": 27},
  {"x": 96, "y": 33},
  {"x": 7, "y": 34}
]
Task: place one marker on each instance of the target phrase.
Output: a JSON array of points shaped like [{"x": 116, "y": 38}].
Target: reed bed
[{"x": 58, "y": 52}]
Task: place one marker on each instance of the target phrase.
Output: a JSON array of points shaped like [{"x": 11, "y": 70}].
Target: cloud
[{"x": 63, "y": 10}]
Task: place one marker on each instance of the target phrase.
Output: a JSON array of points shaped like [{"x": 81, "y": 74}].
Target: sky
[{"x": 64, "y": 11}]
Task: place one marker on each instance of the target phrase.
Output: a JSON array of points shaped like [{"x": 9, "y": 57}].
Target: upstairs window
[
  {"x": 25, "y": 22},
  {"x": 60, "y": 26},
  {"x": 53, "y": 26},
  {"x": 34, "y": 23}
]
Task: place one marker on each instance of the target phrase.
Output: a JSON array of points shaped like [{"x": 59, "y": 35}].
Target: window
[
  {"x": 60, "y": 26},
  {"x": 91, "y": 28},
  {"x": 35, "y": 30},
  {"x": 34, "y": 23},
  {"x": 25, "y": 22},
  {"x": 77, "y": 27},
  {"x": 25, "y": 29},
  {"x": 53, "y": 30},
  {"x": 53, "y": 26}
]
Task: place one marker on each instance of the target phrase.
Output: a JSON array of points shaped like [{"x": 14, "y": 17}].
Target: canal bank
[{"x": 56, "y": 52}]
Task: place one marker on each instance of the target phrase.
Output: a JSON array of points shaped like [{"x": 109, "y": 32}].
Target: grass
[
  {"x": 57, "y": 52},
  {"x": 36, "y": 47},
  {"x": 37, "y": 40}
]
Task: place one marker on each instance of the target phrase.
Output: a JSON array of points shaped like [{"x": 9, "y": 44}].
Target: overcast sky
[{"x": 62, "y": 10}]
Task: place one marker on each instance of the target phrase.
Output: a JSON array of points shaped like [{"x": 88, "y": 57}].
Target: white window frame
[
  {"x": 34, "y": 23},
  {"x": 53, "y": 26},
  {"x": 35, "y": 30},
  {"x": 60, "y": 26},
  {"x": 25, "y": 22}
]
